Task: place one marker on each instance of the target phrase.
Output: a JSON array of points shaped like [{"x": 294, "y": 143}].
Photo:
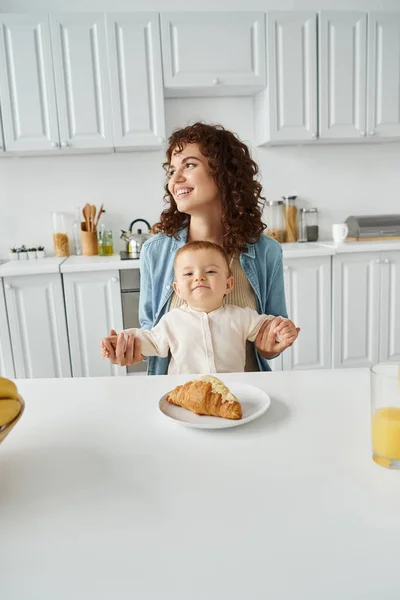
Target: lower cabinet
[
  {"x": 366, "y": 308},
  {"x": 38, "y": 329},
  {"x": 308, "y": 301},
  {"x": 6, "y": 359},
  {"x": 93, "y": 307}
]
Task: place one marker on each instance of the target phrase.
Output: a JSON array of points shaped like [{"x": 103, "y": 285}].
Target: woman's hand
[
  {"x": 120, "y": 352},
  {"x": 275, "y": 336}
]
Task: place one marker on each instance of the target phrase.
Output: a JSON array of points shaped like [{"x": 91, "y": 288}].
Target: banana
[
  {"x": 9, "y": 409},
  {"x": 8, "y": 389}
]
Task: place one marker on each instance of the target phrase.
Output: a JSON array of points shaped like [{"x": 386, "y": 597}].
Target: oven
[{"x": 130, "y": 290}]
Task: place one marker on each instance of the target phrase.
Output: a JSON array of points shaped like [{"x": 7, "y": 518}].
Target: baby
[{"x": 205, "y": 335}]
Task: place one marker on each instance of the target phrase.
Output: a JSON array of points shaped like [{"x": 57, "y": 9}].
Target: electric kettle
[{"x": 135, "y": 240}]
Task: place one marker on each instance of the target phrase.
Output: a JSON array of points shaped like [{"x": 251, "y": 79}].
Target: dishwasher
[{"x": 130, "y": 290}]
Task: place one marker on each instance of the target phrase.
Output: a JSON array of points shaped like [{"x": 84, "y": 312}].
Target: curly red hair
[{"x": 234, "y": 173}]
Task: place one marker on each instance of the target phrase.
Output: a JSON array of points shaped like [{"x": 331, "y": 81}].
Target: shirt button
[{"x": 168, "y": 287}]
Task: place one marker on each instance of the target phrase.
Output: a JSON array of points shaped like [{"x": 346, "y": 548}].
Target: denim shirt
[{"x": 262, "y": 265}]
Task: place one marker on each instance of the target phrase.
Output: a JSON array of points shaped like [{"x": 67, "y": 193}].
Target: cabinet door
[
  {"x": 389, "y": 347},
  {"x": 213, "y": 52},
  {"x": 136, "y": 80},
  {"x": 6, "y": 359},
  {"x": 342, "y": 62},
  {"x": 292, "y": 75},
  {"x": 355, "y": 314},
  {"x": 93, "y": 305},
  {"x": 82, "y": 80},
  {"x": 35, "y": 307},
  {"x": 384, "y": 74},
  {"x": 28, "y": 101},
  {"x": 308, "y": 299}
]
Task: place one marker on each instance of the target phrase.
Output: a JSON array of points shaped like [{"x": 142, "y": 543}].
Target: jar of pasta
[
  {"x": 291, "y": 224},
  {"x": 60, "y": 236},
  {"x": 275, "y": 220}
]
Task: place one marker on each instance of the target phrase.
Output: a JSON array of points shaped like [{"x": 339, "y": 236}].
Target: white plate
[{"x": 254, "y": 403}]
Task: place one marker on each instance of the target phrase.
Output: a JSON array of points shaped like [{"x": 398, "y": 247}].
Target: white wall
[{"x": 339, "y": 179}]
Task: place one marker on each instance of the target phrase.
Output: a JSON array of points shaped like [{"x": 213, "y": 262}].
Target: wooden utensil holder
[{"x": 89, "y": 242}]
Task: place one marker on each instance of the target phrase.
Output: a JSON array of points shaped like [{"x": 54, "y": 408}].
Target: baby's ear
[
  {"x": 176, "y": 290},
  {"x": 229, "y": 285}
]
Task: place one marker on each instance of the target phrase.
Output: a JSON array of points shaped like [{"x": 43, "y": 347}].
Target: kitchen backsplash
[{"x": 338, "y": 179}]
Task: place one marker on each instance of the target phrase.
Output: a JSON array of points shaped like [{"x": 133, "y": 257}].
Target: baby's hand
[
  {"x": 286, "y": 332},
  {"x": 106, "y": 343}
]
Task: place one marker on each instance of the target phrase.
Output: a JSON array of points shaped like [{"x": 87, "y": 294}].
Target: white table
[{"x": 102, "y": 497}]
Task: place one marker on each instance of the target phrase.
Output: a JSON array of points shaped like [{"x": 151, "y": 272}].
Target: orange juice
[{"x": 386, "y": 433}]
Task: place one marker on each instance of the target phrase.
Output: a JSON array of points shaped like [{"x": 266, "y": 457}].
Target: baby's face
[{"x": 202, "y": 279}]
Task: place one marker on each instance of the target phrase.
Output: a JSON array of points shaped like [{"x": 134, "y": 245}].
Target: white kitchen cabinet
[
  {"x": 82, "y": 80},
  {"x": 93, "y": 307},
  {"x": 356, "y": 307},
  {"x": 36, "y": 315},
  {"x": 287, "y": 110},
  {"x": 213, "y": 53},
  {"x": 342, "y": 63},
  {"x": 383, "y": 74},
  {"x": 308, "y": 301},
  {"x": 136, "y": 80},
  {"x": 389, "y": 344},
  {"x": 27, "y": 93},
  {"x": 6, "y": 359}
]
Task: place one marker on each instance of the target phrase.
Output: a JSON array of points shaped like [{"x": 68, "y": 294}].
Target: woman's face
[{"x": 191, "y": 183}]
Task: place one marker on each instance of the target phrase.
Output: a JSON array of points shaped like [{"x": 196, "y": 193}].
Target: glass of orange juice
[{"x": 385, "y": 404}]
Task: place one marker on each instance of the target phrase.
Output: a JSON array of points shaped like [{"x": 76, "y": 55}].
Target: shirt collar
[{"x": 202, "y": 312}]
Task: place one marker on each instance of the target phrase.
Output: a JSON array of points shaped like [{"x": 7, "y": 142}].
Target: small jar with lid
[
  {"x": 275, "y": 220},
  {"x": 308, "y": 225},
  {"x": 290, "y": 212}
]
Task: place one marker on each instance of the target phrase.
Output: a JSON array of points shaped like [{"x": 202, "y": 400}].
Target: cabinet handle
[
  {"x": 377, "y": 260},
  {"x": 215, "y": 81},
  {"x": 114, "y": 279},
  {"x": 372, "y": 132},
  {"x": 54, "y": 144},
  {"x": 363, "y": 133},
  {"x": 314, "y": 136},
  {"x": 64, "y": 144},
  {"x": 7, "y": 286},
  {"x": 285, "y": 268},
  {"x": 386, "y": 261}
]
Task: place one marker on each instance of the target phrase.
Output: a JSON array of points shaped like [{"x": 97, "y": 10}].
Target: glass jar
[
  {"x": 290, "y": 212},
  {"x": 308, "y": 225},
  {"x": 275, "y": 220},
  {"x": 60, "y": 236},
  {"x": 105, "y": 241}
]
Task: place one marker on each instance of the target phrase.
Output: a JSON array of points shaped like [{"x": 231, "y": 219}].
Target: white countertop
[
  {"x": 73, "y": 264},
  {"x": 103, "y": 497},
  {"x": 33, "y": 266},
  {"x": 98, "y": 263}
]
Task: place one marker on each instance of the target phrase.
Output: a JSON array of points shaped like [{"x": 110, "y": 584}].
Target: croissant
[{"x": 206, "y": 395}]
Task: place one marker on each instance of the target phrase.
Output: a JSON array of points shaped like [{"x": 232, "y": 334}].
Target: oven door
[{"x": 130, "y": 290}]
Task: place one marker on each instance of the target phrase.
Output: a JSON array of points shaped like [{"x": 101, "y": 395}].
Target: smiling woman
[{"x": 212, "y": 193}]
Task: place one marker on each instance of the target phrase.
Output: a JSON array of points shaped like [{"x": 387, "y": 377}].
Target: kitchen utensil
[
  {"x": 86, "y": 215},
  {"x": 92, "y": 217},
  {"x": 101, "y": 210},
  {"x": 135, "y": 240}
]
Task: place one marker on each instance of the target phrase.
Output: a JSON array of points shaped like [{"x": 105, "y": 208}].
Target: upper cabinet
[
  {"x": 384, "y": 75},
  {"x": 213, "y": 53},
  {"x": 136, "y": 80},
  {"x": 82, "y": 80},
  {"x": 287, "y": 110},
  {"x": 342, "y": 74},
  {"x": 27, "y": 95},
  {"x": 357, "y": 85}
]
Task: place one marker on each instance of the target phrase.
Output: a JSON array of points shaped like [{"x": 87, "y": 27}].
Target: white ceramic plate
[{"x": 254, "y": 403}]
